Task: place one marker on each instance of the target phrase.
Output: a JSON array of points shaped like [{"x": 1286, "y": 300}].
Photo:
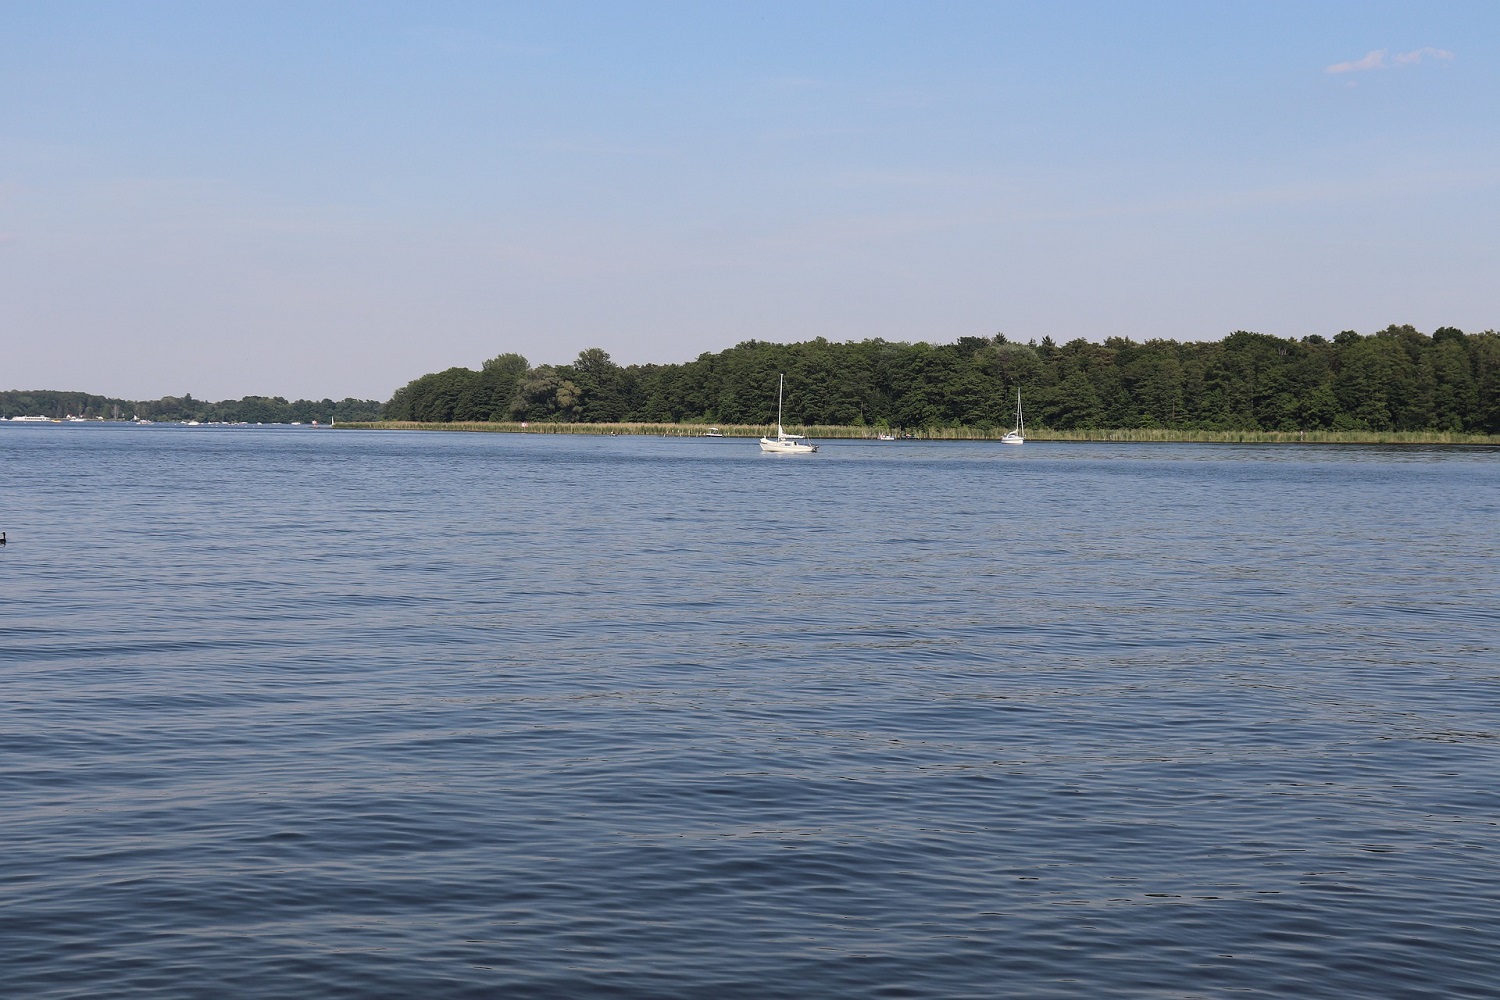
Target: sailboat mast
[{"x": 780, "y": 387}]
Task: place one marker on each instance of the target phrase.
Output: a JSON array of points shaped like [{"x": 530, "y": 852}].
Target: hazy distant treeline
[
  {"x": 251, "y": 409},
  {"x": 1397, "y": 379}
]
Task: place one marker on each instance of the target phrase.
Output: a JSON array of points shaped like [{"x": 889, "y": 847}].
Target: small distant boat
[
  {"x": 31, "y": 420},
  {"x": 713, "y": 432},
  {"x": 885, "y": 437},
  {"x": 784, "y": 443},
  {"x": 1017, "y": 436}
]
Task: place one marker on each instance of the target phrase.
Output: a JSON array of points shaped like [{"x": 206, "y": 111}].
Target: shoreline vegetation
[
  {"x": 832, "y": 432},
  {"x": 1396, "y": 386},
  {"x": 1248, "y": 386},
  {"x": 60, "y": 405}
]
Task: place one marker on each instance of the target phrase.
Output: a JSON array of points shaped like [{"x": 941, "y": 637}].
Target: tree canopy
[
  {"x": 250, "y": 409},
  {"x": 1394, "y": 380}
]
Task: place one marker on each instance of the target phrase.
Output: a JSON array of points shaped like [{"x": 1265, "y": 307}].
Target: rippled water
[{"x": 315, "y": 713}]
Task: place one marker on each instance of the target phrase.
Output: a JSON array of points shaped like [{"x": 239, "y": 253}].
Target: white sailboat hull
[
  {"x": 1018, "y": 435},
  {"x": 784, "y": 443},
  {"x": 785, "y": 447}
]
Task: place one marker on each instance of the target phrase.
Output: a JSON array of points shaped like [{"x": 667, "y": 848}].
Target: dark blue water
[{"x": 352, "y": 714}]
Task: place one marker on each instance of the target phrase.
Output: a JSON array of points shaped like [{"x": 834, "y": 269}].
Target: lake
[{"x": 311, "y": 712}]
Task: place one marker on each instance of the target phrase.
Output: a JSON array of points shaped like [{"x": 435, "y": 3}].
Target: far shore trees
[
  {"x": 1395, "y": 380},
  {"x": 250, "y": 409}
]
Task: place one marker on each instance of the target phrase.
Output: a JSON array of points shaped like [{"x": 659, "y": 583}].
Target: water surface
[{"x": 297, "y": 712}]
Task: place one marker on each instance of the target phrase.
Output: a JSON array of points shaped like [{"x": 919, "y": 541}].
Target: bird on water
[{"x": 2, "y": 538}]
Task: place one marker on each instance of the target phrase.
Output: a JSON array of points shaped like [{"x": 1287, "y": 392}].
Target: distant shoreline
[{"x": 1128, "y": 435}]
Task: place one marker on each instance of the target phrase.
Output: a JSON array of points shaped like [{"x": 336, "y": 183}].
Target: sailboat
[
  {"x": 1017, "y": 436},
  {"x": 784, "y": 443}
]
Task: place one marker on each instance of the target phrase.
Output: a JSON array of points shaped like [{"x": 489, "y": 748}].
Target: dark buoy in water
[{"x": 2, "y": 538}]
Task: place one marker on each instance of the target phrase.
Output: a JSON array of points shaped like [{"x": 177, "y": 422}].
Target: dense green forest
[
  {"x": 1394, "y": 380},
  {"x": 251, "y": 409}
]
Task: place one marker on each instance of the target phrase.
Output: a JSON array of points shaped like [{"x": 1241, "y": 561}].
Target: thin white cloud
[
  {"x": 1374, "y": 60},
  {"x": 1414, "y": 57},
  {"x": 1377, "y": 60}
]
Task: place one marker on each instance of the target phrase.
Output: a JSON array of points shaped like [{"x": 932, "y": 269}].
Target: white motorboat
[
  {"x": 784, "y": 443},
  {"x": 713, "y": 432},
  {"x": 885, "y": 437},
  {"x": 1017, "y": 436}
]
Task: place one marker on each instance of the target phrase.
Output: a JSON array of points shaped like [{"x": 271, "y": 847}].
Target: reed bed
[
  {"x": 1266, "y": 437},
  {"x": 834, "y": 432},
  {"x": 1165, "y": 436},
  {"x": 547, "y": 427}
]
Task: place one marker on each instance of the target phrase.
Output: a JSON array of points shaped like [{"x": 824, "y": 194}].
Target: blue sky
[{"x": 329, "y": 199}]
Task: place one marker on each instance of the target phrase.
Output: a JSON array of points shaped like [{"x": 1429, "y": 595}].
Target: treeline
[
  {"x": 1394, "y": 380},
  {"x": 250, "y": 409}
]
